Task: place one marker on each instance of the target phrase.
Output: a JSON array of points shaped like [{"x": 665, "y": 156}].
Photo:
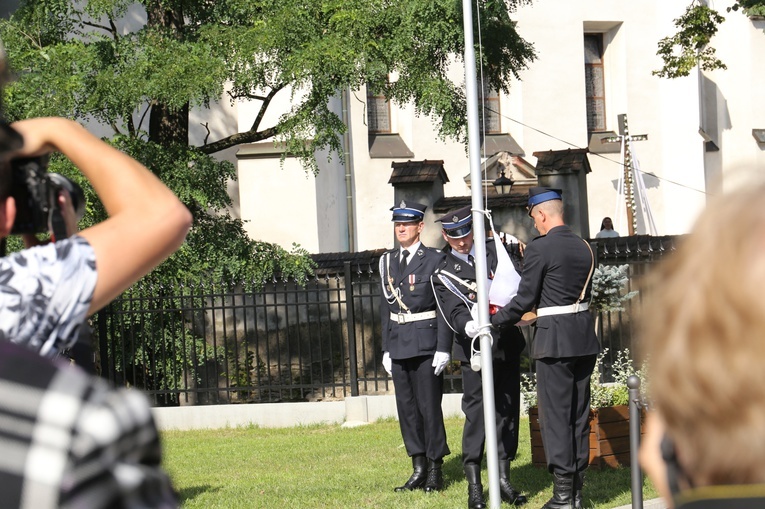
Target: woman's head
[
  {"x": 606, "y": 224},
  {"x": 704, "y": 335}
]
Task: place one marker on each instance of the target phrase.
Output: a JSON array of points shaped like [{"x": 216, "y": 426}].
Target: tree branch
[
  {"x": 130, "y": 125},
  {"x": 96, "y": 25},
  {"x": 206, "y": 125},
  {"x": 263, "y": 107},
  {"x": 147, "y": 110},
  {"x": 251, "y": 136},
  {"x": 115, "y": 128},
  {"x": 248, "y": 96}
]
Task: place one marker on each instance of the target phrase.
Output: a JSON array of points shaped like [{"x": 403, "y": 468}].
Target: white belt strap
[
  {"x": 578, "y": 306},
  {"x": 403, "y": 318},
  {"x": 563, "y": 310}
]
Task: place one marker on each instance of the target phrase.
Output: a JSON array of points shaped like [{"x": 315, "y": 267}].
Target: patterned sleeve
[{"x": 45, "y": 294}]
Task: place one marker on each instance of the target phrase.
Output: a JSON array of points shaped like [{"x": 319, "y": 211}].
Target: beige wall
[{"x": 550, "y": 99}]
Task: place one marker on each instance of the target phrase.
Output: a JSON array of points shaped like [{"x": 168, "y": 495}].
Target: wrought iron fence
[{"x": 231, "y": 343}]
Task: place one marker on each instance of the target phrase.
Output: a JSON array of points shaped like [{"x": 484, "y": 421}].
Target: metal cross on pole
[{"x": 624, "y": 138}]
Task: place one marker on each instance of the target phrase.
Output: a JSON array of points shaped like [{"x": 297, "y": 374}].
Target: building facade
[{"x": 594, "y": 66}]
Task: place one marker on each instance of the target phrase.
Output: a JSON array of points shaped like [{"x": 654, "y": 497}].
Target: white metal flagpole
[{"x": 479, "y": 241}]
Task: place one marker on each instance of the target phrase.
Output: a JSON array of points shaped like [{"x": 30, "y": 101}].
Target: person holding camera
[
  {"x": 58, "y": 285},
  {"x": 63, "y": 205},
  {"x": 101, "y": 445}
]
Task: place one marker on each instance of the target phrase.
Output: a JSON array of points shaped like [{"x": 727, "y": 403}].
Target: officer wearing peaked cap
[
  {"x": 416, "y": 346},
  {"x": 455, "y": 287},
  {"x": 557, "y": 281}
]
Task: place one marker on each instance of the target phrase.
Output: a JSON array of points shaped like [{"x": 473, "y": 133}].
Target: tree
[
  {"x": 98, "y": 61},
  {"x": 690, "y": 46}
]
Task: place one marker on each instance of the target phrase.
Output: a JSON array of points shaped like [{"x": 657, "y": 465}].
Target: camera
[{"x": 36, "y": 194}]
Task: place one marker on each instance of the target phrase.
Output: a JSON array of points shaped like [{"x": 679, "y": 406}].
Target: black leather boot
[
  {"x": 475, "y": 488},
  {"x": 435, "y": 480},
  {"x": 563, "y": 490},
  {"x": 419, "y": 474},
  {"x": 506, "y": 490},
  {"x": 578, "y": 484}
]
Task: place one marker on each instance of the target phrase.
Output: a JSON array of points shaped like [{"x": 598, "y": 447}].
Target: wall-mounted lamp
[
  {"x": 759, "y": 135},
  {"x": 503, "y": 185}
]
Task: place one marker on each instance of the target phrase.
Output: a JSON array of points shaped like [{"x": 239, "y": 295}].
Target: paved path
[{"x": 654, "y": 503}]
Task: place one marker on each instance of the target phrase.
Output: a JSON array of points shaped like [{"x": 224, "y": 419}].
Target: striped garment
[{"x": 70, "y": 440}]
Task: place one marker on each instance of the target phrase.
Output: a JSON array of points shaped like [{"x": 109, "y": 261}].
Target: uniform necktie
[
  {"x": 402, "y": 265},
  {"x": 471, "y": 260}
]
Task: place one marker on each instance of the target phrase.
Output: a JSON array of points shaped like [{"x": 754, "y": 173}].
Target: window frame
[
  {"x": 375, "y": 99},
  {"x": 591, "y": 71},
  {"x": 489, "y": 98}
]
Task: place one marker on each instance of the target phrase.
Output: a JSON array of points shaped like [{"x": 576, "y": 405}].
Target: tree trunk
[{"x": 167, "y": 126}]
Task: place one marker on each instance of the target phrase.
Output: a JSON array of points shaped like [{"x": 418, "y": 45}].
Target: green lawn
[{"x": 332, "y": 467}]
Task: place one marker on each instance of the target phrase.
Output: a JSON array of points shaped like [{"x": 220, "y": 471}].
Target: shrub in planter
[{"x": 609, "y": 415}]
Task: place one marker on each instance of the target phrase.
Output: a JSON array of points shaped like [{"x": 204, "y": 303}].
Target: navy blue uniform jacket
[
  {"x": 424, "y": 337},
  {"x": 555, "y": 269},
  {"x": 509, "y": 342}
]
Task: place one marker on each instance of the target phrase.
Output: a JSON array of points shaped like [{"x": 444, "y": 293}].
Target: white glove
[
  {"x": 471, "y": 329},
  {"x": 474, "y": 312},
  {"x": 440, "y": 360},
  {"x": 387, "y": 364}
]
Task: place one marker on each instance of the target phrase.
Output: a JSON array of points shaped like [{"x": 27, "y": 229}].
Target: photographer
[
  {"x": 63, "y": 204},
  {"x": 75, "y": 441},
  {"x": 73, "y": 278}
]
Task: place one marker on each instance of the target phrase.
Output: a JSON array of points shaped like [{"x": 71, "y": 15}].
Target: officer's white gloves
[
  {"x": 471, "y": 329},
  {"x": 440, "y": 360},
  {"x": 387, "y": 364},
  {"x": 474, "y": 312}
]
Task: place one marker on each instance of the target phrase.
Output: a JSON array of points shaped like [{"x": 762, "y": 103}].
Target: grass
[{"x": 333, "y": 467}]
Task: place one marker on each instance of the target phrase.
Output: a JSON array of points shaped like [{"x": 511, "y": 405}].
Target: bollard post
[{"x": 636, "y": 475}]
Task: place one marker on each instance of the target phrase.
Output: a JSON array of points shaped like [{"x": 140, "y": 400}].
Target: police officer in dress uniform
[
  {"x": 557, "y": 281},
  {"x": 416, "y": 345},
  {"x": 455, "y": 287}
]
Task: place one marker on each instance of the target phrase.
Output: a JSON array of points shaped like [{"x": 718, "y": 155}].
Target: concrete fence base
[{"x": 352, "y": 411}]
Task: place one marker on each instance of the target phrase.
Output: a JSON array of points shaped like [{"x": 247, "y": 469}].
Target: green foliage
[
  {"x": 608, "y": 282},
  {"x": 111, "y": 71},
  {"x": 688, "y": 48},
  {"x": 749, "y": 7},
  {"x": 690, "y": 45},
  {"x": 529, "y": 390},
  {"x": 616, "y": 392}
]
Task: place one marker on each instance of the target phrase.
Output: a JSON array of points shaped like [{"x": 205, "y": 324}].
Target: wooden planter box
[{"x": 609, "y": 437}]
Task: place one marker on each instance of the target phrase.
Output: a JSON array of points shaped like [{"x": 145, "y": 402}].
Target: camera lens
[{"x": 75, "y": 192}]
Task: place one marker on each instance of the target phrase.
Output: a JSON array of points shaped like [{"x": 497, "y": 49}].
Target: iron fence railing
[{"x": 226, "y": 343}]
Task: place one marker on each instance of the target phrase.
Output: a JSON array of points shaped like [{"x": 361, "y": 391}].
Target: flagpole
[{"x": 479, "y": 241}]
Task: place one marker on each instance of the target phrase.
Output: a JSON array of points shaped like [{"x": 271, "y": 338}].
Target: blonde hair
[{"x": 704, "y": 335}]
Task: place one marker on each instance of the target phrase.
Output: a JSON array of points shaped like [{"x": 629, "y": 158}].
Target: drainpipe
[{"x": 348, "y": 158}]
